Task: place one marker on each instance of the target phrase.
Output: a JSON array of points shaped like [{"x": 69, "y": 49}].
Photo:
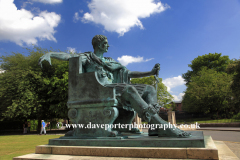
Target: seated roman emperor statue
[{"x": 133, "y": 97}]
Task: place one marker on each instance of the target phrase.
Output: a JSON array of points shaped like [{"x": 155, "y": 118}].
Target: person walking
[{"x": 43, "y": 128}]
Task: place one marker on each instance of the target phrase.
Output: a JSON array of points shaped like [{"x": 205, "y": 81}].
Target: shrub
[{"x": 237, "y": 116}]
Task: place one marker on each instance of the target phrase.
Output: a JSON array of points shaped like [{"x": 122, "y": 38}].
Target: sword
[
  {"x": 157, "y": 107},
  {"x": 157, "y": 81},
  {"x": 156, "y": 78}
]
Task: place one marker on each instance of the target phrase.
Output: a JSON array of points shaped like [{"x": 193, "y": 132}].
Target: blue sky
[{"x": 141, "y": 33}]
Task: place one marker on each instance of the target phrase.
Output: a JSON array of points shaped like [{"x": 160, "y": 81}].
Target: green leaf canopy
[
  {"x": 27, "y": 91},
  {"x": 164, "y": 97}
]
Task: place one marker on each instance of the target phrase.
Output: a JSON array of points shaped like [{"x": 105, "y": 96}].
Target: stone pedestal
[
  {"x": 133, "y": 140},
  {"x": 151, "y": 149}
]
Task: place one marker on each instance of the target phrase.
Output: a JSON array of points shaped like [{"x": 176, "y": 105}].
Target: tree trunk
[{"x": 39, "y": 125}]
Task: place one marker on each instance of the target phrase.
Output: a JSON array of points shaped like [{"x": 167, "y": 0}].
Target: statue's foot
[{"x": 169, "y": 132}]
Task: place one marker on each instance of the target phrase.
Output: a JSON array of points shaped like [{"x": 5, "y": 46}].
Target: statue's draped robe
[{"x": 120, "y": 76}]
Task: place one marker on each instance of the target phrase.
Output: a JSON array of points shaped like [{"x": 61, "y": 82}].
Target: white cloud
[
  {"x": 125, "y": 60},
  {"x": 72, "y": 50},
  {"x": 76, "y": 17},
  {"x": 178, "y": 97},
  {"x": 26, "y": 3},
  {"x": 21, "y": 26},
  {"x": 173, "y": 82},
  {"x": 121, "y": 15},
  {"x": 48, "y": 1}
]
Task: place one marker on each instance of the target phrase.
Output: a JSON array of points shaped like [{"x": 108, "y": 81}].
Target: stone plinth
[
  {"x": 208, "y": 152},
  {"x": 143, "y": 140}
]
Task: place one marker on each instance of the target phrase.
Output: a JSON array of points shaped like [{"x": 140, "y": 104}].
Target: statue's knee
[
  {"x": 130, "y": 89},
  {"x": 151, "y": 89}
]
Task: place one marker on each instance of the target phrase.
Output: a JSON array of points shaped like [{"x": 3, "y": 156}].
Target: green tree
[
  {"x": 211, "y": 61},
  {"x": 209, "y": 92},
  {"x": 164, "y": 97},
  {"x": 234, "y": 69},
  {"x": 27, "y": 91}
]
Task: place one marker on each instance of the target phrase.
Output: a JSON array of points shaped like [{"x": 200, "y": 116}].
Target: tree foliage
[
  {"x": 234, "y": 69},
  {"x": 27, "y": 91},
  {"x": 209, "y": 92},
  {"x": 164, "y": 97},
  {"x": 210, "y": 61}
]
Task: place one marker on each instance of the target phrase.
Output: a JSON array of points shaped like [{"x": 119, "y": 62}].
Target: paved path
[
  {"x": 230, "y": 138},
  {"x": 234, "y": 147},
  {"x": 223, "y": 135},
  {"x": 229, "y": 135}
]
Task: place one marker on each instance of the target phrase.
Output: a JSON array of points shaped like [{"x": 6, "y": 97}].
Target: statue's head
[{"x": 100, "y": 41}]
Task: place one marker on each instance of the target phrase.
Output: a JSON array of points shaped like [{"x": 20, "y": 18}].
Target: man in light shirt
[{"x": 43, "y": 128}]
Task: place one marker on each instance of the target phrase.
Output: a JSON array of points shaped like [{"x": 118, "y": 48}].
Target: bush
[{"x": 237, "y": 116}]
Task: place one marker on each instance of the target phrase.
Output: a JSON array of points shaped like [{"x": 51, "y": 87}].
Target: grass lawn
[{"x": 17, "y": 145}]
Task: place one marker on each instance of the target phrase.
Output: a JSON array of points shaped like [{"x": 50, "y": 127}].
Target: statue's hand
[
  {"x": 45, "y": 57},
  {"x": 156, "y": 69}
]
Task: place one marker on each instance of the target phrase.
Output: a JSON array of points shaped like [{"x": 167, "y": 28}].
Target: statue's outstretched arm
[
  {"x": 113, "y": 65},
  {"x": 58, "y": 55},
  {"x": 136, "y": 74}
]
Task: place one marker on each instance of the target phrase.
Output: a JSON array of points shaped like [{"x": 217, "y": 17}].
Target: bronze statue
[{"x": 138, "y": 98}]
